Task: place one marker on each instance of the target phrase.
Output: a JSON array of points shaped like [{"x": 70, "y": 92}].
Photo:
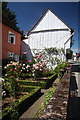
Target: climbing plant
[{"x": 51, "y": 55}]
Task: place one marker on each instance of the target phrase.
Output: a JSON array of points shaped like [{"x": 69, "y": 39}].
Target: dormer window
[{"x": 11, "y": 38}]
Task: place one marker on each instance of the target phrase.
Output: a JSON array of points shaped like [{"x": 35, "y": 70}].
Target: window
[
  {"x": 13, "y": 56},
  {"x": 10, "y": 54},
  {"x": 11, "y": 38}
]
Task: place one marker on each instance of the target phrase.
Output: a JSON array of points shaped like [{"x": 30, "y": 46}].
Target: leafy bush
[
  {"x": 11, "y": 86},
  {"x": 61, "y": 68}
]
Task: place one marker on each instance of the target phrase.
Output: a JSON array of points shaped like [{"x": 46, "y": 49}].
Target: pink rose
[
  {"x": 70, "y": 65},
  {"x": 34, "y": 65},
  {"x": 41, "y": 65},
  {"x": 36, "y": 68},
  {"x": 38, "y": 56},
  {"x": 29, "y": 60},
  {"x": 40, "y": 69}
]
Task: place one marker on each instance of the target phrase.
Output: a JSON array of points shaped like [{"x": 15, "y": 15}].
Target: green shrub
[{"x": 61, "y": 69}]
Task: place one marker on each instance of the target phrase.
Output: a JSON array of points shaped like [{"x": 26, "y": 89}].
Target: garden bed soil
[
  {"x": 22, "y": 103},
  {"x": 42, "y": 79},
  {"x": 8, "y": 100}
]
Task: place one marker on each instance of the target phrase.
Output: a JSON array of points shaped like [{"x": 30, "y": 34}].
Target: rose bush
[
  {"x": 37, "y": 66},
  {"x": 62, "y": 68},
  {"x": 10, "y": 87}
]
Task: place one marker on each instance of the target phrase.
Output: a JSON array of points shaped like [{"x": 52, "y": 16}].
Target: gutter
[{"x": 69, "y": 38}]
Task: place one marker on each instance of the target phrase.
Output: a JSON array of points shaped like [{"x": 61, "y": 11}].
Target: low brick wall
[{"x": 57, "y": 106}]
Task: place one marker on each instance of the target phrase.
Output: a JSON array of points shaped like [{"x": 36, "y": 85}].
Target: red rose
[
  {"x": 11, "y": 69},
  {"x": 18, "y": 66}
]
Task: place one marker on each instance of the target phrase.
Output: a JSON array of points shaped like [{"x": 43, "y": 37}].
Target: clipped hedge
[
  {"x": 22, "y": 103},
  {"x": 43, "y": 84}
]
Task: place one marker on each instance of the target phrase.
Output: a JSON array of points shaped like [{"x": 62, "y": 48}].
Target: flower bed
[
  {"x": 15, "y": 109},
  {"x": 37, "y": 74},
  {"x": 44, "y": 82},
  {"x": 57, "y": 106}
]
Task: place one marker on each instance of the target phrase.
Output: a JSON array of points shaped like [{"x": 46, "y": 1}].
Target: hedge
[
  {"x": 23, "y": 103},
  {"x": 45, "y": 84}
]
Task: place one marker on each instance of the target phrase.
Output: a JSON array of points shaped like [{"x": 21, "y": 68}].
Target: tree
[
  {"x": 10, "y": 14},
  {"x": 69, "y": 55}
]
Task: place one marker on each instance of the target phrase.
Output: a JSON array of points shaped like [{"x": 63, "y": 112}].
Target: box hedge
[
  {"x": 23, "y": 103},
  {"x": 43, "y": 84}
]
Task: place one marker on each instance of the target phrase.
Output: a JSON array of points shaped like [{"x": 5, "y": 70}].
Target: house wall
[
  {"x": 9, "y": 47},
  {"x": 49, "y": 21},
  {"x": 49, "y": 39},
  {"x": 26, "y": 48},
  {"x": 50, "y": 31}
]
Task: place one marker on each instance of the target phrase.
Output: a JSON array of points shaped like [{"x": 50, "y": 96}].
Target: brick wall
[{"x": 6, "y": 46}]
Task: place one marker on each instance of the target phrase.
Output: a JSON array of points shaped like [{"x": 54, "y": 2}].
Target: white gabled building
[{"x": 49, "y": 31}]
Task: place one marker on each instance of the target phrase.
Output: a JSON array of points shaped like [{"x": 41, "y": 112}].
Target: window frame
[
  {"x": 11, "y": 55},
  {"x": 9, "y": 37}
]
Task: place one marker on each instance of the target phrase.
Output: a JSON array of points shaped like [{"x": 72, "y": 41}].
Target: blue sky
[{"x": 29, "y": 12}]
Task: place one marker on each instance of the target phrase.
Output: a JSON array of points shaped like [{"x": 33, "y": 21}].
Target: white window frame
[{"x": 11, "y": 34}]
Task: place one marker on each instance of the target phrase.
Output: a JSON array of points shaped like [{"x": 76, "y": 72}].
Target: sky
[{"x": 29, "y": 12}]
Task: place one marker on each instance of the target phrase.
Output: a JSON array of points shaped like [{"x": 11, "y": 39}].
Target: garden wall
[{"x": 58, "y": 104}]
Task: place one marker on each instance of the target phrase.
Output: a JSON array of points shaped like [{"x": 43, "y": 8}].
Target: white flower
[
  {"x": 4, "y": 93},
  {"x": 5, "y": 74},
  {"x": 23, "y": 68},
  {"x": 23, "y": 64},
  {"x": 2, "y": 80},
  {"x": 5, "y": 67},
  {"x": 27, "y": 66},
  {"x": 33, "y": 74},
  {"x": 15, "y": 68},
  {"x": 11, "y": 61}
]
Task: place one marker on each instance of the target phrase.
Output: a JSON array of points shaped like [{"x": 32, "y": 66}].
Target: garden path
[{"x": 30, "y": 113}]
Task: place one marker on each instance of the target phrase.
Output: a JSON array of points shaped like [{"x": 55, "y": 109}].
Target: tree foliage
[
  {"x": 10, "y": 14},
  {"x": 69, "y": 55}
]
